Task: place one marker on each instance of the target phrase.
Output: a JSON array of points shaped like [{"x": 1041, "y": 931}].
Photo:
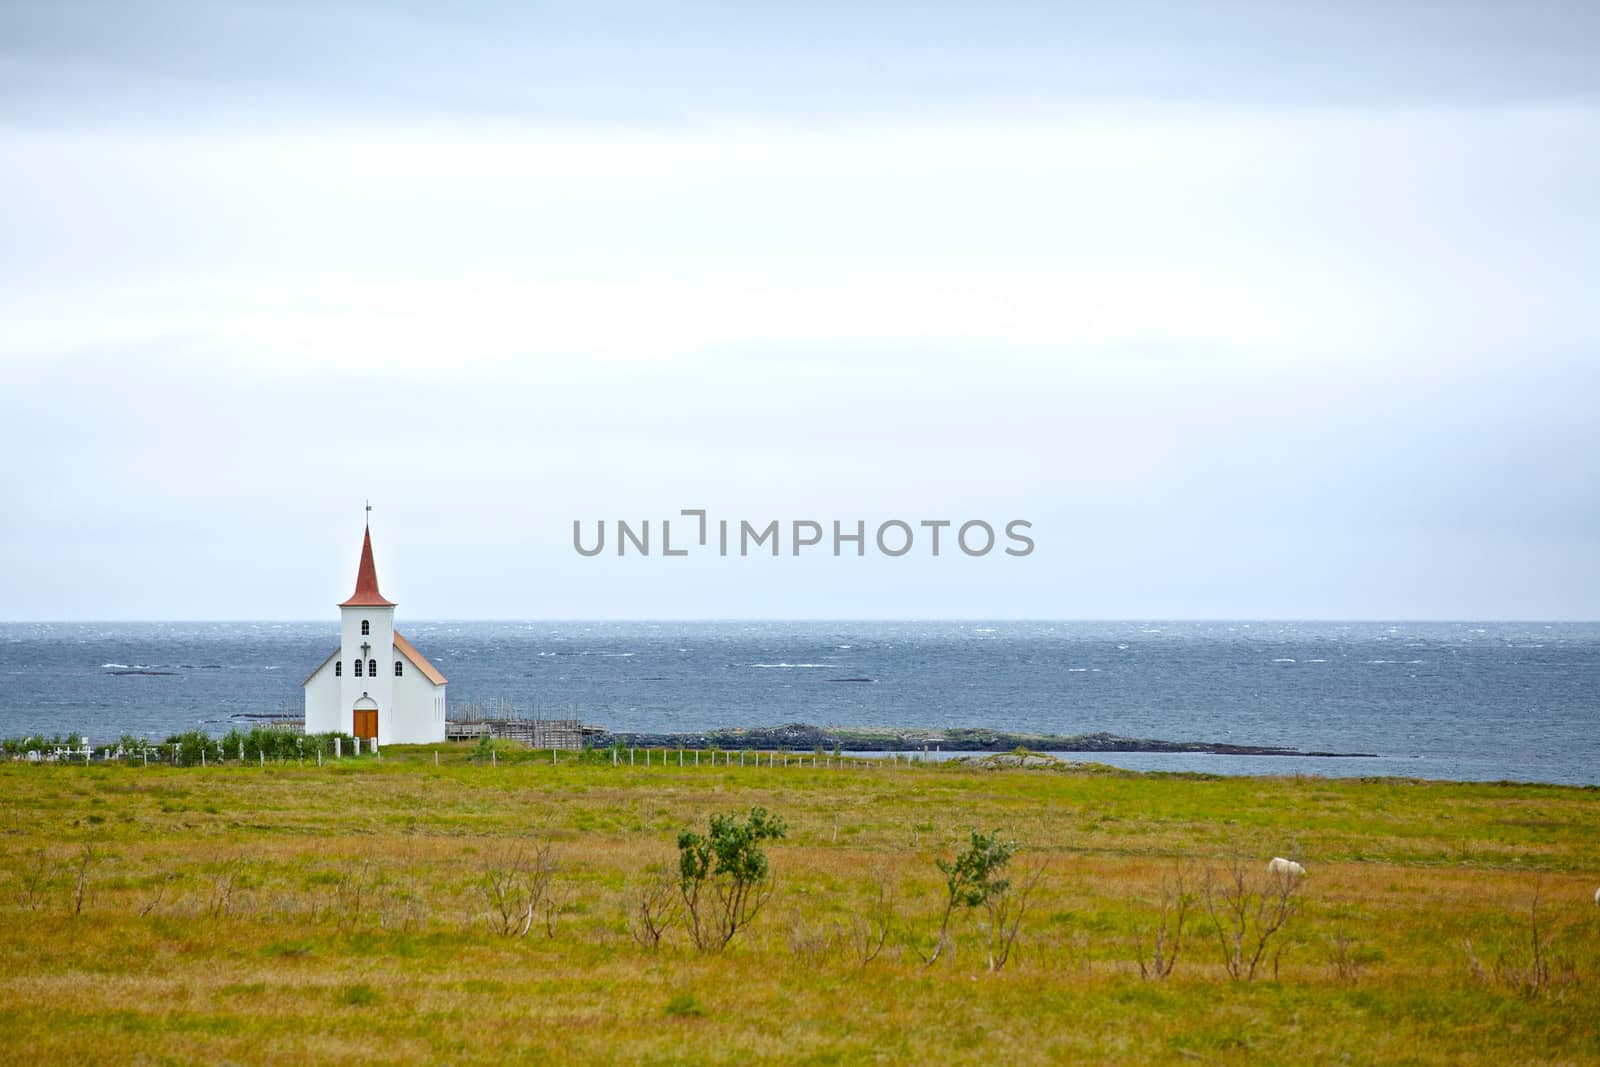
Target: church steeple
[{"x": 366, "y": 594}]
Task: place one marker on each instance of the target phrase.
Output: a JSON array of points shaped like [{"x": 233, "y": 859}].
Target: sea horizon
[{"x": 1463, "y": 699}]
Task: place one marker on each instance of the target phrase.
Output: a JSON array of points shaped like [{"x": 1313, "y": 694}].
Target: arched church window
[
  {"x": 372, "y": 667},
  {"x": 338, "y": 668},
  {"x": 366, "y": 628},
  {"x": 397, "y": 671},
  {"x": 358, "y": 668}
]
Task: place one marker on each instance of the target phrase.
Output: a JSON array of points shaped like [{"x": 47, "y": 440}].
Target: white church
[{"x": 376, "y": 684}]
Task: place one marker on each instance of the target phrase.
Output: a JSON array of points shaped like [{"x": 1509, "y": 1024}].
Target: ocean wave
[
  {"x": 1283, "y": 661},
  {"x": 794, "y": 664}
]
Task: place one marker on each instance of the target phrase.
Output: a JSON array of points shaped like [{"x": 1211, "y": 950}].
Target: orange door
[{"x": 366, "y": 725}]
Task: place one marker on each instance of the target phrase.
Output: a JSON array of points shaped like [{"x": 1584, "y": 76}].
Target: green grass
[{"x": 335, "y": 914}]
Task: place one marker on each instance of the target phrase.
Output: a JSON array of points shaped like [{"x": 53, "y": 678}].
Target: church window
[
  {"x": 397, "y": 668},
  {"x": 372, "y": 667},
  {"x": 338, "y": 668},
  {"x": 358, "y": 668},
  {"x": 366, "y": 628}
]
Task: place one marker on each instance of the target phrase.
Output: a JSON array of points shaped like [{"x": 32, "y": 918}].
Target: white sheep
[
  {"x": 1597, "y": 896},
  {"x": 1279, "y": 865}
]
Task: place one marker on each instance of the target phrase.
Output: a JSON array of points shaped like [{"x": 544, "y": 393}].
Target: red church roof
[
  {"x": 418, "y": 660},
  {"x": 366, "y": 594}
]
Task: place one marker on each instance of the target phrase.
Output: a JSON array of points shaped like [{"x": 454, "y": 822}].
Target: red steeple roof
[{"x": 366, "y": 594}]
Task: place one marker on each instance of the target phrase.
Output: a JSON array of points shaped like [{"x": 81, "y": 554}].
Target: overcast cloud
[{"x": 1254, "y": 310}]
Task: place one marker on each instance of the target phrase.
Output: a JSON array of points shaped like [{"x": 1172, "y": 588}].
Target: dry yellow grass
[{"x": 298, "y": 914}]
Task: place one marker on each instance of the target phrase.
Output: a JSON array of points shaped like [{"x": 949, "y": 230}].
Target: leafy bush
[
  {"x": 972, "y": 878},
  {"x": 724, "y": 876}
]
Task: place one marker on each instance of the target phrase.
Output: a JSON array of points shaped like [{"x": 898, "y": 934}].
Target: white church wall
[
  {"x": 418, "y": 708},
  {"x": 322, "y": 700}
]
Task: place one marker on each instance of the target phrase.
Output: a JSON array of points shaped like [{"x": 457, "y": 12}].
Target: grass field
[{"x": 302, "y": 914}]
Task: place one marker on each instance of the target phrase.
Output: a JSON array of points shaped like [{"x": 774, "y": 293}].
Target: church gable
[{"x": 320, "y": 668}]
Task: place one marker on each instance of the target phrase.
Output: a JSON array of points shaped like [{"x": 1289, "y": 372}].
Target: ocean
[{"x": 1468, "y": 701}]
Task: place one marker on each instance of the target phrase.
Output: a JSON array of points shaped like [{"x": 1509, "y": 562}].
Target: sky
[{"x": 1251, "y": 310}]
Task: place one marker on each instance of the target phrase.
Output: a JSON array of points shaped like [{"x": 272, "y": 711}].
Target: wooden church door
[{"x": 366, "y": 724}]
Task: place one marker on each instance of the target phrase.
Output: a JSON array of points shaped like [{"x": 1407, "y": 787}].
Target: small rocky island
[{"x": 801, "y": 737}]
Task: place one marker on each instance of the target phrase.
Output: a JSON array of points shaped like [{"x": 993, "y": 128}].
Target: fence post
[{"x": 338, "y": 748}]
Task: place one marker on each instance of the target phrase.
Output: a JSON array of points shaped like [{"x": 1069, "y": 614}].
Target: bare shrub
[
  {"x": 162, "y": 885},
  {"x": 1533, "y": 969},
  {"x": 80, "y": 878},
  {"x": 1249, "y": 914},
  {"x": 654, "y": 905},
  {"x": 223, "y": 880},
  {"x": 1006, "y": 906},
  {"x": 808, "y": 944},
  {"x": 1158, "y": 956},
  {"x": 1346, "y": 956},
  {"x": 869, "y": 927},
  {"x": 36, "y": 879},
  {"x": 352, "y": 890},
  {"x": 515, "y": 888},
  {"x": 400, "y": 904},
  {"x": 555, "y": 900}
]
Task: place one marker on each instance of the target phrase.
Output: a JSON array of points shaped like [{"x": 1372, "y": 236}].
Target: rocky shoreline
[{"x": 801, "y": 737}]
